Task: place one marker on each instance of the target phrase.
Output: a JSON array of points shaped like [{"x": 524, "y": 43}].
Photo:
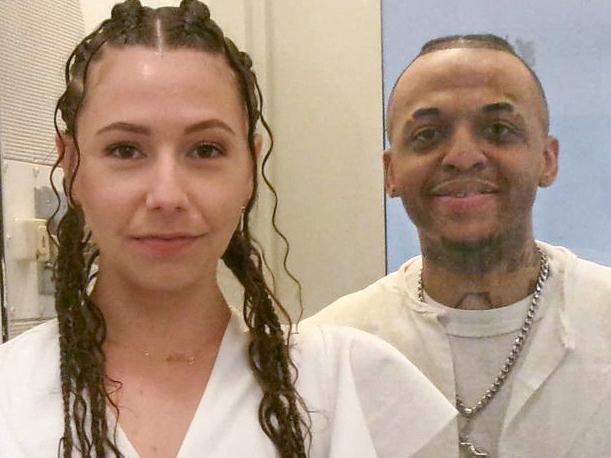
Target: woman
[{"x": 159, "y": 155}]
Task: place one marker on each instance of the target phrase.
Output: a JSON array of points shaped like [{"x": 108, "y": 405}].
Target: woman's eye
[
  {"x": 124, "y": 152},
  {"x": 206, "y": 151},
  {"x": 425, "y": 137}
]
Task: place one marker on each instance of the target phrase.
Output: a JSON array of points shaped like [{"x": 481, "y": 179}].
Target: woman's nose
[{"x": 166, "y": 187}]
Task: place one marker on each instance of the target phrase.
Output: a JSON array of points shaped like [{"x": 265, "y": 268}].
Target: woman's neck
[{"x": 162, "y": 322}]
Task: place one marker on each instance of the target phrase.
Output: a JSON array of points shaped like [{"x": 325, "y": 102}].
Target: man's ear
[
  {"x": 68, "y": 158},
  {"x": 550, "y": 165},
  {"x": 389, "y": 184}
]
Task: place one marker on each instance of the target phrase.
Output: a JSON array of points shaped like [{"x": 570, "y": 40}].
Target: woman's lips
[{"x": 163, "y": 245}]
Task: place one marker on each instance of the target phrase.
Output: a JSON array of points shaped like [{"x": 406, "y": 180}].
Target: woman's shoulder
[
  {"x": 26, "y": 357},
  {"x": 36, "y": 338},
  {"x": 30, "y": 398}
]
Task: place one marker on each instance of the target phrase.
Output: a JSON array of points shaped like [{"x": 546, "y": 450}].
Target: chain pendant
[{"x": 470, "y": 450}]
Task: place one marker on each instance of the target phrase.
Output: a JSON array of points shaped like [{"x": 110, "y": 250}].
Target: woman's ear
[
  {"x": 66, "y": 150},
  {"x": 258, "y": 145},
  {"x": 68, "y": 159}
]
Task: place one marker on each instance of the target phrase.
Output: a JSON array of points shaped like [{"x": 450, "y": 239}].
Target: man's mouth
[
  {"x": 462, "y": 194},
  {"x": 463, "y": 188}
]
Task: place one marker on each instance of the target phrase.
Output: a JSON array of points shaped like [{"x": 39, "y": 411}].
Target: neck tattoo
[{"x": 466, "y": 445}]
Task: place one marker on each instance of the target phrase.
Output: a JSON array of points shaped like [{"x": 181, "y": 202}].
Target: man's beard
[{"x": 498, "y": 252}]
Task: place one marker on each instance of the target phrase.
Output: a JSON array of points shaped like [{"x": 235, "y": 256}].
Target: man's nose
[
  {"x": 166, "y": 186},
  {"x": 465, "y": 152}
]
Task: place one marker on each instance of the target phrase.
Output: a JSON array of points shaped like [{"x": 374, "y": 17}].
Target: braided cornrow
[{"x": 82, "y": 327}]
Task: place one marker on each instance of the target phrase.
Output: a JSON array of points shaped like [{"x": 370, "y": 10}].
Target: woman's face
[{"x": 165, "y": 168}]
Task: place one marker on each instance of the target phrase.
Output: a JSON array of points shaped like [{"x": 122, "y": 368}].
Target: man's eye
[
  {"x": 124, "y": 151},
  {"x": 206, "y": 151},
  {"x": 425, "y": 137},
  {"x": 499, "y": 132}
]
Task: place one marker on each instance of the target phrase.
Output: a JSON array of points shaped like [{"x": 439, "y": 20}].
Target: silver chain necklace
[{"x": 469, "y": 412}]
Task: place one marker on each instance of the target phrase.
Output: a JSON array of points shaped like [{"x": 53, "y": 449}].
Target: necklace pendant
[{"x": 469, "y": 450}]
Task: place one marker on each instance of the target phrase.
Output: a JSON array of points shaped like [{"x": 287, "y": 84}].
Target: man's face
[{"x": 469, "y": 146}]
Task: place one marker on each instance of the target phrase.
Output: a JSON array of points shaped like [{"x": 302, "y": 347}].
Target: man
[{"x": 516, "y": 332}]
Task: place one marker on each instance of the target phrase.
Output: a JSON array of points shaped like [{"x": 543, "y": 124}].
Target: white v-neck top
[{"x": 366, "y": 399}]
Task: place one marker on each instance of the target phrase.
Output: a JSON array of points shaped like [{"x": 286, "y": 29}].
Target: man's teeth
[{"x": 468, "y": 194}]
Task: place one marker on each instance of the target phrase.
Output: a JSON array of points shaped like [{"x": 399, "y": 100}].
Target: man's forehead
[
  {"x": 463, "y": 69},
  {"x": 452, "y": 70}
]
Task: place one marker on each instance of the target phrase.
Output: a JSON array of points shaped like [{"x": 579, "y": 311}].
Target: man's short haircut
[{"x": 474, "y": 41}]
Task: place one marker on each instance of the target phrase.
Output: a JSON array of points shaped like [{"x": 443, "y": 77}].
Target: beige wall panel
[{"x": 327, "y": 117}]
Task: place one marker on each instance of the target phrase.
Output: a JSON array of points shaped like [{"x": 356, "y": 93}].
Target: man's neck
[{"x": 481, "y": 280}]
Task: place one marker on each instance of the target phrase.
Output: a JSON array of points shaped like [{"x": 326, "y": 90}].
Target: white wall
[{"x": 319, "y": 62}]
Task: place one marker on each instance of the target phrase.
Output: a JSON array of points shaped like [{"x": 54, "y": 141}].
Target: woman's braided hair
[{"x": 82, "y": 328}]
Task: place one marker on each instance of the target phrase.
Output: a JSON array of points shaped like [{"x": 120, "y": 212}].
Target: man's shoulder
[
  {"x": 581, "y": 276},
  {"x": 581, "y": 268},
  {"x": 596, "y": 275},
  {"x": 379, "y": 301},
  {"x": 585, "y": 295},
  {"x": 588, "y": 297}
]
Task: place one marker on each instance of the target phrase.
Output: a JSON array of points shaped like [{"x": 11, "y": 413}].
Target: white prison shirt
[
  {"x": 560, "y": 395},
  {"x": 366, "y": 399}
]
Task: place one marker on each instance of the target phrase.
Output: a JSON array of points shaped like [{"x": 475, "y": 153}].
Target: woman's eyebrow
[
  {"x": 208, "y": 124},
  {"x": 126, "y": 127},
  {"x": 138, "y": 129}
]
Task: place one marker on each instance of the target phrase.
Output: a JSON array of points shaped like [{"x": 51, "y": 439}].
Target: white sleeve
[{"x": 378, "y": 397}]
